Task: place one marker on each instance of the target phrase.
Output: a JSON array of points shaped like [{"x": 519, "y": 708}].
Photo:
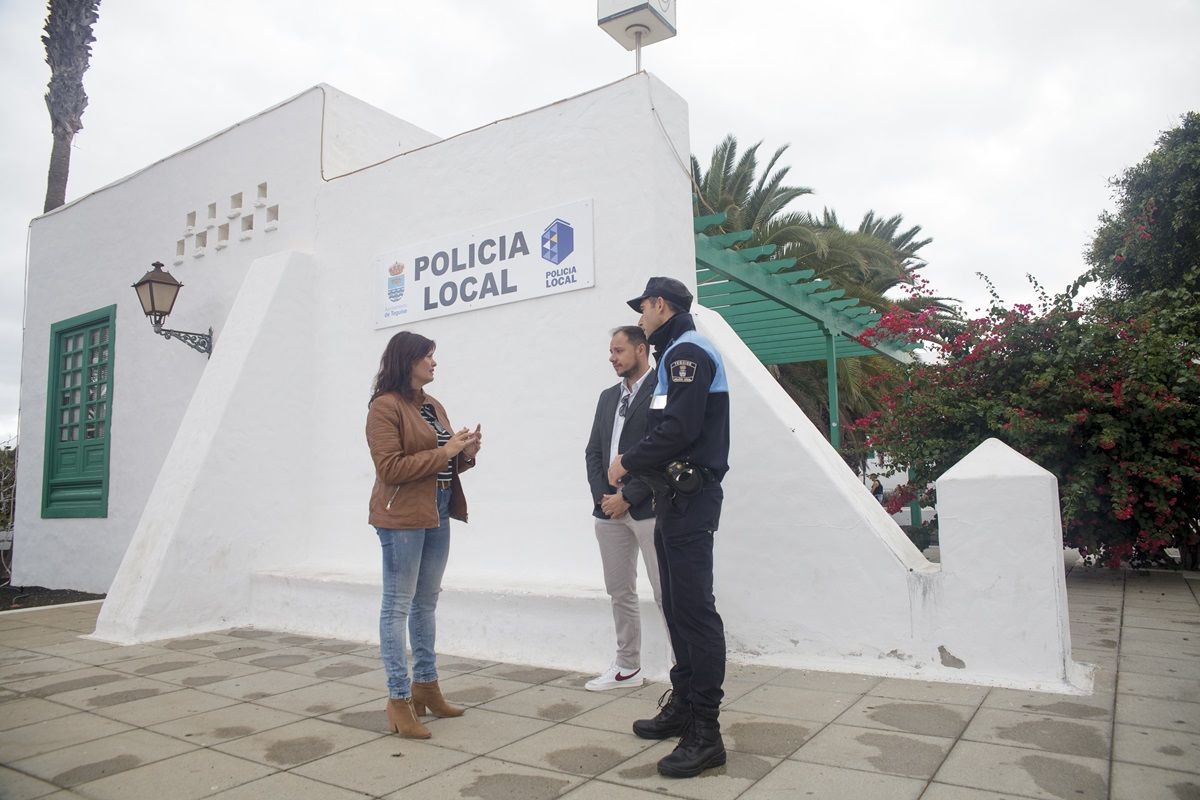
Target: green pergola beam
[
  {"x": 701, "y": 224},
  {"x": 723, "y": 240}
]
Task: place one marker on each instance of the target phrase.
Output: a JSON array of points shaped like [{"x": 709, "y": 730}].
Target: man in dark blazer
[{"x": 624, "y": 518}]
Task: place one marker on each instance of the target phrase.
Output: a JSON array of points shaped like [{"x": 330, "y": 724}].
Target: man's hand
[
  {"x": 616, "y": 471},
  {"x": 614, "y": 505}
]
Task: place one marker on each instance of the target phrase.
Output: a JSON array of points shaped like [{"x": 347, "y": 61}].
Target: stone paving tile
[
  {"x": 206, "y": 673},
  {"x": 945, "y": 791},
  {"x": 1184, "y": 689},
  {"x": 158, "y": 665},
  {"x": 763, "y": 736},
  {"x": 161, "y": 708},
  {"x": 959, "y": 694},
  {"x": 1152, "y": 713},
  {"x": 826, "y": 681},
  {"x": 521, "y": 673},
  {"x": 41, "y": 666},
  {"x": 908, "y": 716},
  {"x": 1097, "y": 706},
  {"x": 100, "y": 658},
  {"x": 17, "y": 786},
  {"x": 1137, "y": 782},
  {"x": 337, "y": 667},
  {"x": 54, "y": 683},
  {"x": 201, "y": 642},
  {"x": 383, "y": 765},
  {"x": 488, "y": 778},
  {"x": 259, "y": 684},
  {"x": 596, "y": 789},
  {"x": 68, "y": 767},
  {"x": 193, "y": 775},
  {"x": 370, "y": 716},
  {"x": 1023, "y": 772},
  {"x": 782, "y": 701},
  {"x": 1167, "y": 667},
  {"x": 481, "y": 732},
  {"x": 1055, "y": 734},
  {"x": 474, "y": 689},
  {"x": 53, "y": 734},
  {"x": 568, "y": 748},
  {"x": 1183, "y": 623},
  {"x": 1157, "y": 748},
  {"x": 324, "y": 697},
  {"x": 740, "y": 772},
  {"x": 1096, "y": 641},
  {"x": 298, "y": 743},
  {"x": 753, "y": 673},
  {"x": 909, "y": 755},
  {"x": 794, "y": 779},
  {"x": 75, "y": 646},
  {"x": 94, "y": 698},
  {"x": 28, "y": 710},
  {"x": 451, "y": 663},
  {"x": 553, "y": 703},
  {"x": 287, "y": 785},
  {"x": 618, "y": 714},
  {"x": 280, "y": 659},
  {"x": 225, "y": 724},
  {"x": 375, "y": 679}
]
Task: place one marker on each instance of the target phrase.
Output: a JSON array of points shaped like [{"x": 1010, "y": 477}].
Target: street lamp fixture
[{"x": 156, "y": 292}]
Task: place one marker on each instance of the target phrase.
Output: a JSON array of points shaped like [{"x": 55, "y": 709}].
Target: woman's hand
[
  {"x": 458, "y": 442},
  {"x": 472, "y": 448}
]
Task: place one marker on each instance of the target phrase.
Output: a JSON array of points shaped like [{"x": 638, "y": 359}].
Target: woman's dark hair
[{"x": 395, "y": 367}]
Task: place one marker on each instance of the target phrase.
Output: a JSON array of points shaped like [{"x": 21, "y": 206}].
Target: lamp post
[{"x": 156, "y": 292}]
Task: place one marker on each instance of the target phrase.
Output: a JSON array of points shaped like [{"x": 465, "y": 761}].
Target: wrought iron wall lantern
[{"x": 156, "y": 292}]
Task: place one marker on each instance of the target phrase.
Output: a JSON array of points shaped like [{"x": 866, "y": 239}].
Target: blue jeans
[{"x": 414, "y": 560}]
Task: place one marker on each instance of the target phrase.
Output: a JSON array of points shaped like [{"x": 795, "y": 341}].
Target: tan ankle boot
[
  {"x": 402, "y": 717},
  {"x": 429, "y": 695}
]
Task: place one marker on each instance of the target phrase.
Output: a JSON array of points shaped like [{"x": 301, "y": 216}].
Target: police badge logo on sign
[{"x": 683, "y": 371}]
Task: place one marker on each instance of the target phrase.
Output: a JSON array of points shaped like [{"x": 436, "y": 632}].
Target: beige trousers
[{"x": 620, "y": 540}]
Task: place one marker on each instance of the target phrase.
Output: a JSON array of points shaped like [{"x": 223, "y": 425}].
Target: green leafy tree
[
  {"x": 1106, "y": 397},
  {"x": 1152, "y": 241},
  {"x": 68, "y": 42}
]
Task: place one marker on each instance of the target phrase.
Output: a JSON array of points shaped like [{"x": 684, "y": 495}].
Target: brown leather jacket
[{"x": 407, "y": 461}]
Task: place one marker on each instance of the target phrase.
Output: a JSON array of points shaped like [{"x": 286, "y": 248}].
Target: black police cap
[{"x": 666, "y": 288}]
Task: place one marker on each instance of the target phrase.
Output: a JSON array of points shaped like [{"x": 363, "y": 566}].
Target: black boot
[
  {"x": 673, "y": 716},
  {"x": 699, "y": 748}
]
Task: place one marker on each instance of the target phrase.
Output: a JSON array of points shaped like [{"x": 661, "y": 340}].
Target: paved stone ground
[{"x": 247, "y": 714}]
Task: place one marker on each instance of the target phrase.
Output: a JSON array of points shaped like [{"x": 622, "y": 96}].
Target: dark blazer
[{"x": 637, "y": 493}]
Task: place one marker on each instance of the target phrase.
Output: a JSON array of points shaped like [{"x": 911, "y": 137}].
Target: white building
[{"x": 207, "y": 493}]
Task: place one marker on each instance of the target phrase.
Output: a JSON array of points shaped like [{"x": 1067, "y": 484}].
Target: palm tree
[
  {"x": 867, "y": 263},
  {"x": 68, "y": 42}
]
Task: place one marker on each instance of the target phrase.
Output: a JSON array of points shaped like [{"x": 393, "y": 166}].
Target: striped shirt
[{"x": 443, "y": 436}]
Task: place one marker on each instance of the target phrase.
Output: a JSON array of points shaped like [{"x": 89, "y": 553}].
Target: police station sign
[{"x": 548, "y": 252}]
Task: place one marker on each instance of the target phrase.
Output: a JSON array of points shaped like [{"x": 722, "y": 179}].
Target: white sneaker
[{"x": 615, "y": 677}]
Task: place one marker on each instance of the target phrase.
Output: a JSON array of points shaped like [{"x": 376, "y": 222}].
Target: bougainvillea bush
[{"x": 1105, "y": 395}]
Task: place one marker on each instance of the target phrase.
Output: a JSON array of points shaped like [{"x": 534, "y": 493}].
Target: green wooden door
[{"x": 78, "y": 414}]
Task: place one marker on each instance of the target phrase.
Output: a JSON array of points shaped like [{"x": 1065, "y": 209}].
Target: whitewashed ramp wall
[{"x": 810, "y": 570}]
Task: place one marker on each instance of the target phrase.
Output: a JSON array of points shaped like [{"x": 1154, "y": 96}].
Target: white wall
[
  {"x": 810, "y": 570},
  {"x": 85, "y": 256}
]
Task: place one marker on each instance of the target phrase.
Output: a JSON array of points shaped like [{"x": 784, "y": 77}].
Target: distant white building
[{"x": 205, "y": 493}]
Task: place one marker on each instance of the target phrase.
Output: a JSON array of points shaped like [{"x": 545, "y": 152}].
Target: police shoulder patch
[{"x": 682, "y": 371}]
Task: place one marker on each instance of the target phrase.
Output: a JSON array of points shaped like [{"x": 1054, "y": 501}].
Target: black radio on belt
[{"x": 684, "y": 478}]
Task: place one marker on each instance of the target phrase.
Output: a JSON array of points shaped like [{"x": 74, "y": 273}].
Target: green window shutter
[{"x": 78, "y": 415}]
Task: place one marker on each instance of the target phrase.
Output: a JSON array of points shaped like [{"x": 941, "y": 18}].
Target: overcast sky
[{"x": 993, "y": 125}]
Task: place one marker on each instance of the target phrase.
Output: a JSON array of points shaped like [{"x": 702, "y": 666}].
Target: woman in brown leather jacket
[{"x": 417, "y": 490}]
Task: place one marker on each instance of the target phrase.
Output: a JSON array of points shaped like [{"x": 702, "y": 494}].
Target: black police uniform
[{"x": 693, "y": 427}]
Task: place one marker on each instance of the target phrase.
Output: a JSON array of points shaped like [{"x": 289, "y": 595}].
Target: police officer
[{"x": 688, "y": 436}]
